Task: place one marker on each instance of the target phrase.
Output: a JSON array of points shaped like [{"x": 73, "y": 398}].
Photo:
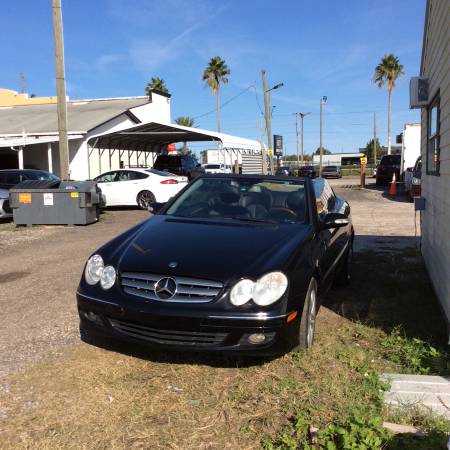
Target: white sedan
[
  {"x": 5, "y": 210},
  {"x": 139, "y": 186}
]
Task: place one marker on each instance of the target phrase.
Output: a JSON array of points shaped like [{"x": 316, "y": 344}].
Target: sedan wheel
[
  {"x": 144, "y": 199},
  {"x": 308, "y": 320}
]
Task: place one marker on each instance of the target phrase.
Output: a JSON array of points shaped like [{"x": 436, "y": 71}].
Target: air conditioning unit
[{"x": 418, "y": 92}]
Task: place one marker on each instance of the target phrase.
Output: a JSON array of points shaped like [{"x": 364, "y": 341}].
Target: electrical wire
[{"x": 227, "y": 102}]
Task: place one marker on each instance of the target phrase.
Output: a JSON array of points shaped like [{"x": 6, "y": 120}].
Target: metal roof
[
  {"x": 151, "y": 136},
  {"x": 82, "y": 115}
]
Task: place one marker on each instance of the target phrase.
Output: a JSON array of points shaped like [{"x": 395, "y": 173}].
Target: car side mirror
[
  {"x": 155, "y": 207},
  {"x": 334, "y": 220}
]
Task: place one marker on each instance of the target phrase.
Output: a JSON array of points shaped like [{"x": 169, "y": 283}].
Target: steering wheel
[{"x": 282, "y": 214}]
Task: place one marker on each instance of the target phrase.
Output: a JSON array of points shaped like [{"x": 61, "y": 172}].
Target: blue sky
[{"x": 316, "y": 48}]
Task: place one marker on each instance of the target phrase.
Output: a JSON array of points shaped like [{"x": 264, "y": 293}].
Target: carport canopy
[{"x": 150, "y": 137}]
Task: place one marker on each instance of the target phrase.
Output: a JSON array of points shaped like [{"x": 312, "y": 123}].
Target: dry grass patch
[{"x": 93, "y": 398}]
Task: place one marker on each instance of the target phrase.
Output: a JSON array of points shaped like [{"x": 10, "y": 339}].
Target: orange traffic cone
[{"x": 393, "y": 187}]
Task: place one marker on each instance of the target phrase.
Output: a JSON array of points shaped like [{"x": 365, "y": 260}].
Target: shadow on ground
[{"x": 391, "y": 289}]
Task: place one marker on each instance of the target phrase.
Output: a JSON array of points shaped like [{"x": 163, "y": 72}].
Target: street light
[
  {"x": 267, "y": 114},
  {"x": 323, "y": 100}
]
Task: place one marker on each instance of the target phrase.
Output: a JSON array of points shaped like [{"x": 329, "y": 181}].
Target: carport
[{"x": 151, "y": 138}]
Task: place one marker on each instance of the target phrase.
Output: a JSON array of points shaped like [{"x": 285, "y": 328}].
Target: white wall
[
  {"x": 436, "y": 189},
  {"x": 158, "y": 110}
]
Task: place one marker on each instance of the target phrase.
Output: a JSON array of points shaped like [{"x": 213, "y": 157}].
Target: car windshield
[
  {"x": 256, "y": 199},
  {"x": 38, "y": 175},
  {"x": 390, "y": 160},
  {"x": 166, "y": 161},
  {"x": 212, "y": 166},
  {"x": 330, "y": 168}
]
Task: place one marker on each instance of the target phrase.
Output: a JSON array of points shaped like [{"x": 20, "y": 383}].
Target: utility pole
[
  {"x": 323, "y": 100},
  {"x": 267, "y": 117},
  {"x": 302, "y": 116},
  {"x": 22, "y": 83},
  {"x": 374, "y": 139},
  {"x": 60, "y": 90},
  {"x": 263, "y": 149},
  {"x": 268, "y": 113}
]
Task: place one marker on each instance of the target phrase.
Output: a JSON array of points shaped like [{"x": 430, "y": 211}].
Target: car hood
[{"x": 215, "y": 250}]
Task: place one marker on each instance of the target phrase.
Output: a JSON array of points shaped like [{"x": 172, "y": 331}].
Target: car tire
[
  {"x": 144, "y": 198},
  {"x": 344, "y": 275},
  {"x": 307, "y": 325}
]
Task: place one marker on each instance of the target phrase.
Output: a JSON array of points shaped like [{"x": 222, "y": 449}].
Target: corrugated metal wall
[{"x": 251, "y": 164}]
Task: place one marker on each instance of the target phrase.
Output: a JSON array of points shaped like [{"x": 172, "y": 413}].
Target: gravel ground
[
  {"x": 382, "y": 223},
  {"x": 39, "y": 271},
  {"x": 41, "y": 266}
]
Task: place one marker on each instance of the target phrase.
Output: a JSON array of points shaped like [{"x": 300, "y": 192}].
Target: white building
[
  {"x": 29, "y": 133},
  {"x": 435, "y": 144}
]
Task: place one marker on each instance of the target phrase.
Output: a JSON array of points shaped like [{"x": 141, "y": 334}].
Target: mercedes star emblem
[{"x": 166, "y": 288}]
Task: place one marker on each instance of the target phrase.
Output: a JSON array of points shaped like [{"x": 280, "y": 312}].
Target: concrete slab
[{"x": 429, "y": 392}]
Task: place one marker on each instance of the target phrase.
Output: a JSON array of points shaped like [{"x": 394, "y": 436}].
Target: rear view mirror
[
  {"x": 155, "y": 207},
  {"x": 334, "y": 220}
]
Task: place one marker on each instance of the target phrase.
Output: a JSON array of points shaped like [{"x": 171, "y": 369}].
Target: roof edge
[{"x": 424, "y": 38}]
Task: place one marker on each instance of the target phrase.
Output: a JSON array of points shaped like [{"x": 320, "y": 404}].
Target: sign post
[
  {"x": 363, "y": 161},
  {"x": 278, "y": 147}
]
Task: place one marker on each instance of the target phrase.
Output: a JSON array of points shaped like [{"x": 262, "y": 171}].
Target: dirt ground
[{"x": 40, "y": 268}]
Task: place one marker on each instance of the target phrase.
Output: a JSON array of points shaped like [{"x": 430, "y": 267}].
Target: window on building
[{"x": 433, "y": 150}]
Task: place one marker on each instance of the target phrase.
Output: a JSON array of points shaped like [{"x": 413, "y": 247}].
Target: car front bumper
[{"x": 224, "y": 332}]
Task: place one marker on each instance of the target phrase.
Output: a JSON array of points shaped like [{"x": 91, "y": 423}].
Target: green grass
[{"x": 93, "y": 398}]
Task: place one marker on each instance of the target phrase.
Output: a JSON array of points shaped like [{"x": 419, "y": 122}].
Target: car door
[
  {"x": 130, "y": 183},
  {"x": 329, "y": 242},
  {"x": 107, "y": 183}
]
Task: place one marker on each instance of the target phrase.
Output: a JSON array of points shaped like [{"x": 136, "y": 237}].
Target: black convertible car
[{"x": 233, "y": 263}]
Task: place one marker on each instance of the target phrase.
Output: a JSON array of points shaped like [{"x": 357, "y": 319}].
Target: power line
[{"x": 226, "y": 103}]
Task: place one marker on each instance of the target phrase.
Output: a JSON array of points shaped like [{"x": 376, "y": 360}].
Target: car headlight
[
  {"x": 269, "y": 288},
  {"x": 416, "y": 180},
  {"x": 94, "y": 269},
  {"x": 108, "y": 277},
  {"x": 242, "y": 292}
]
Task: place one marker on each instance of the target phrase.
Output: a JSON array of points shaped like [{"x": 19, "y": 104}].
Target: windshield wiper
[{"x": 249, "y": 219}]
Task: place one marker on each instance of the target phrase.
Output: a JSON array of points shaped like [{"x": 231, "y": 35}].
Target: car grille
[
  {"x": 6, "y": 207},
  {"x": 173, "y": 337},
  {"x": 188, "y": 289}
]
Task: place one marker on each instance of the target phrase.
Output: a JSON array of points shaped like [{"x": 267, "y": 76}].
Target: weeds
[{"x": 414, "y": 355}]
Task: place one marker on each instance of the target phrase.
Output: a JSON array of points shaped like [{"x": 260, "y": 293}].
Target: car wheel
[
  {"x": 144, "y": 199},
  {"x": 345, "y": 273},
  {"x": 308, "y": 319}
]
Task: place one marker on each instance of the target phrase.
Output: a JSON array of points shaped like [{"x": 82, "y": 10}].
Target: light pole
[
  {"x": 267, "y": 114},
  {"x": 323, "y": 100},
  {"x": 302, "y": 116}
]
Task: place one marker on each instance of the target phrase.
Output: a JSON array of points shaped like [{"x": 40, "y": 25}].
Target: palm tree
[
  {"x": 387, "y": 72},
  {"x": 185, "y": 121},
  {"x": 215, "y": 74},
  {"x": 157, "y": 84}
]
